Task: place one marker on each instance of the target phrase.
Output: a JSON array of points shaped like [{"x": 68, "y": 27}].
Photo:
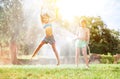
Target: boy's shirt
[{"x": 82, "y": 33}]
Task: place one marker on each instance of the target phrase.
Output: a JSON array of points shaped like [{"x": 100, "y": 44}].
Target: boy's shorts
[
  {"x": 80, "y": 43},
  {"x": 49, "y": 39}
]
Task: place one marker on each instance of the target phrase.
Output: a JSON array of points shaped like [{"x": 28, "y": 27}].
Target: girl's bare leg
[
  {"x": 84, "y": 51},
  {"x": 56, "y": 53},
  {"x": 77, "y": 56},
  {"x": 37, "y": 49}
]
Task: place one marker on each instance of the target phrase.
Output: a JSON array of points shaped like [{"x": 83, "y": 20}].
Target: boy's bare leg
[
  {"x": 37, "y": 49},
  {"x": 85, "y": 56},
  {"x": 77, "y": 56},
  {"x": 56, "y": 53}
]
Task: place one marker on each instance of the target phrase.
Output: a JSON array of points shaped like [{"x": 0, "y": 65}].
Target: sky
[
  {"x": 109, "y": 10},
  {"x": 111, "y": 14}
]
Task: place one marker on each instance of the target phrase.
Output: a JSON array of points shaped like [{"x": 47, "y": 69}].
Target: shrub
[
  {"x": 107, "y": 59},
  {"x": 118, "y": 62}
]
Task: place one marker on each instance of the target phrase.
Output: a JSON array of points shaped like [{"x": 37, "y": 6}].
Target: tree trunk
[
  {"x": 13, "y": 52},
  {"x": 0, "y": 51}
]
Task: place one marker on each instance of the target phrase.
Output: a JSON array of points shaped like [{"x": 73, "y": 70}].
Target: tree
[
  {"x": 102, "y": 39},
  {"x": 11, "y": 24}
]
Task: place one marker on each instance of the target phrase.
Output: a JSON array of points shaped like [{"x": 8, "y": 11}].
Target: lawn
[{"x": 96, "y": 71}]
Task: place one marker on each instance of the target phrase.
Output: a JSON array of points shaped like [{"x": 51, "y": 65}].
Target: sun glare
[{"x": 70, "y": 8}]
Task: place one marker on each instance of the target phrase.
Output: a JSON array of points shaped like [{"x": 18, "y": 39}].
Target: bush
[
  {"x": 118, "y": 62},
  {"x": 107, "y": 59}
]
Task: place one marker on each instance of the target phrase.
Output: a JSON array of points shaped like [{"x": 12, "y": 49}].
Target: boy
[
  {"x": 82, "y": 41},
  {"x": 49, "y": 38}
]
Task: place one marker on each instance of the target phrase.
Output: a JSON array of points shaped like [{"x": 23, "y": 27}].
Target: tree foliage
[
  {"x": 12, "y": 28},
  {"x": 102, "y": 39}
]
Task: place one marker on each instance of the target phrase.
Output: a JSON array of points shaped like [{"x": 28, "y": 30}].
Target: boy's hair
[{"x": 83, "y": 20}]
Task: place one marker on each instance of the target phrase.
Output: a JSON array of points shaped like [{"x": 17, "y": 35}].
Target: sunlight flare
[{"x": 70, "y": 8}]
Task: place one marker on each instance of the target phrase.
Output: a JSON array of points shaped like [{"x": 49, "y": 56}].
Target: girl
[{"x": 49, "y": 38}]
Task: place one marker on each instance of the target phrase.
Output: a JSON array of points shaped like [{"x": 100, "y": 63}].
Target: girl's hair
[
  {"x": 42, "y": 16},
  {"x": 45, "y": 15}
]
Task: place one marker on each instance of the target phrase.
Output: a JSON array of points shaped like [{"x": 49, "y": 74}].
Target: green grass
[{"x": 96, "y": 71}]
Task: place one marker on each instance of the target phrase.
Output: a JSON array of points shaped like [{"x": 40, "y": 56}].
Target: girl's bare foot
[
  {"x": 58, "y": 63},
  {"x": 87, "y": 67}
]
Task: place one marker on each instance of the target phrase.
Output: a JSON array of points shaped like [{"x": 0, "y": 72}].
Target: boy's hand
[{"x": 32, "y": 57}]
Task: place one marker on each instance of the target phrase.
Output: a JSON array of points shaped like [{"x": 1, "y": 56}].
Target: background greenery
[{"x": 13, "y": 30}]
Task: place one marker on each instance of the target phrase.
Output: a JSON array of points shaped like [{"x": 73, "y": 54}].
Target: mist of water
[{"x": 32, "y": 10}]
